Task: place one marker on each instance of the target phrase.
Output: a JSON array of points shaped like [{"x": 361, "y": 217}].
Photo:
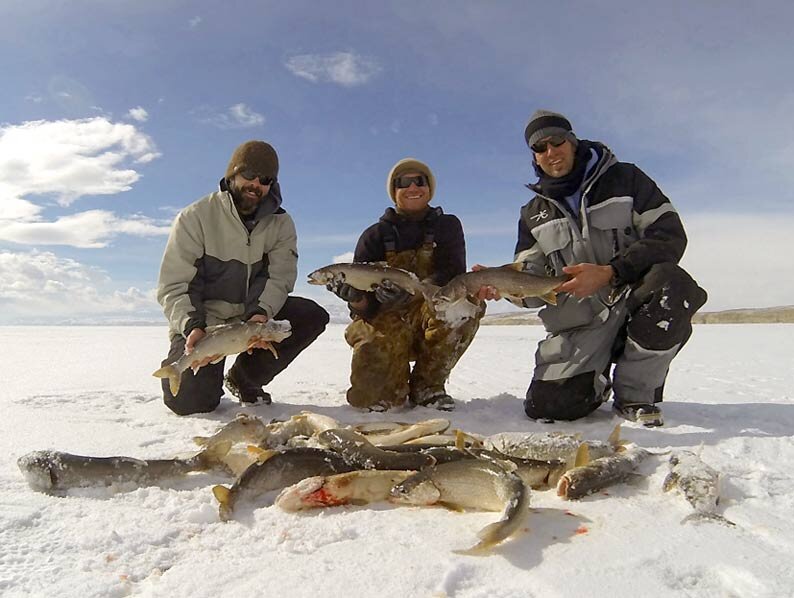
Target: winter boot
[
  {"x": 647, "y": 414},
  {"x": 436, "y": 400},
  {"x": 247, "y": 396}
]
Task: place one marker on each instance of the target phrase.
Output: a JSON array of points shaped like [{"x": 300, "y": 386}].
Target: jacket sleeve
[
  {"x": 661, "y": 233},
  {"x": 282, "y": 267},
  {"x": 178, "y": 286},
  {"x": 529, "y": 253}
]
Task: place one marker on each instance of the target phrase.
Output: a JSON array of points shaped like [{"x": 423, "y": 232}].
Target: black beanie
[
  {"x": 544, "y": 123},
  {"x": 257, "y": 156}
]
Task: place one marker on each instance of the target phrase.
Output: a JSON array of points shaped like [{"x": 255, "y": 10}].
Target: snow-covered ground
[{"x": 89, "y": 390}]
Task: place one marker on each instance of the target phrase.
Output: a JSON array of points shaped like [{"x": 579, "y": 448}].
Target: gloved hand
[
  {"x": 390, "y": 295},
  {"x": 344, "y": 291}
]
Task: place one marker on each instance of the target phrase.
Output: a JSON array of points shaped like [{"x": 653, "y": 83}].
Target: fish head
[
  {"x": 322, "y": 275},
  {"x": 416, "y": 490},
  {"x": 37, "y": 467}
]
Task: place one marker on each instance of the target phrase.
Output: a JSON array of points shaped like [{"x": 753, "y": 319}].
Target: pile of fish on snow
[{"x": 314, "y": 461}]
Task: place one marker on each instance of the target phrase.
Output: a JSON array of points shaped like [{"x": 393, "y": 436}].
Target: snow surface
[{"x": 89, "y": 390}]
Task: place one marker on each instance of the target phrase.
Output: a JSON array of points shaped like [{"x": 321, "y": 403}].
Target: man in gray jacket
[
  {"x": 232, "y": 256},
  {"x": 627, "y": 309}
]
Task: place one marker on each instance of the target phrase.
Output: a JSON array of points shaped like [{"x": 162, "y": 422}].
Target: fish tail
[
  {"x": 174, "y": 377},
  {"x": 701, "y": 516},
  {"x": 225, "y": 501},
  {"x": 550, "y": 297}
]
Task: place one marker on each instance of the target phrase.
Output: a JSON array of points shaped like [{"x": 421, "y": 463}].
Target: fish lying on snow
[
  {"x": 353, "y": 488},
  {"x": 600, "y": 473},
  {"x": 699, "y": 483},
  {"x": 223, "y": 340},
  {"x": 547, "y": 446},
  {"x": 453, "y": 306},
  {"x": 54, "y": 472},
  {"x": 471, "y": 484},
  {"x": 401, "y": 433},
  {"x": 362, "y": 454},
  {"x": 279, "y": 471},
  {"x": 368, "y": 276}
]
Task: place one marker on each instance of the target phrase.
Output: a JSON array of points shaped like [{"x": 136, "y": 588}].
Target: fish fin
[
  {"x": 670, "y": 481},
  {"x": 212, "y": 455},
  {"x": 220, "y": 358},
  {"x": 261, "y": 454},
  {"x": 614, "y": 438},
  {"x": 174, "y": 377},
  {"x": 700, "y": 517},
  {"x": 582, "y": 455},
  {"x": 201, "y": 440},
  {"x": 224, "y": 497},
  {"x": 550, "y": 297},
  {"x": 517, "y": 266}
]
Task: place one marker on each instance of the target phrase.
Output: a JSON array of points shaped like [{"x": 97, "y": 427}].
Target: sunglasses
[
  {"x": 553, "y": 141},
  {"x": 263, "y": 180},
  {"x": 403, "y": 182}
]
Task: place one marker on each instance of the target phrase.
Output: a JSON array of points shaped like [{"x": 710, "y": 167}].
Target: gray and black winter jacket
[
  {"x": 624, "y": 220},
  {"x": 215, "y": 269}
]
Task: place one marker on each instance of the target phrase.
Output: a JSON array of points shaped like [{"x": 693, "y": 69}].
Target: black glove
[
  {"x": 344, "y": 291},
  {"x": 390, "y": 295}
]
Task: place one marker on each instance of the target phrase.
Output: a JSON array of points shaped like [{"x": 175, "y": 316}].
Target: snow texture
[{"x": 89, "y": 390}]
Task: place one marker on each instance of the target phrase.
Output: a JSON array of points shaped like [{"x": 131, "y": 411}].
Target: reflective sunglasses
[
  {"x": 403, "y": 182},
  {"x": 553, "y": 141},
  {"x": 263, "y": 180}
]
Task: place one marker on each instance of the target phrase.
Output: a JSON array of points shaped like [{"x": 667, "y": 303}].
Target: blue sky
[{"x": 117, "y": 114}]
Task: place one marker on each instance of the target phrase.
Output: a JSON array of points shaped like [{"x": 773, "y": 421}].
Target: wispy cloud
[
  {"x": 194, "y": 22},
  {"x": 238, "y": 116},
  {"x": 342, "y": 68},
  {"x": 67, "y": 160},
  {"x": 139, "y": 114},
  {"x": 36, "y": 284},
  {"x": 345, "y": 258}
]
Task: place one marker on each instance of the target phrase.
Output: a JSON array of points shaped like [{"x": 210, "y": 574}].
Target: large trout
[{"x": 223, "y": 340}]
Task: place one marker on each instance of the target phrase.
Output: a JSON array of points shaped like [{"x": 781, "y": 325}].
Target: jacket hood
[
  {"x": 269, "y": 204},
  {"x": 604, "y": 159}
]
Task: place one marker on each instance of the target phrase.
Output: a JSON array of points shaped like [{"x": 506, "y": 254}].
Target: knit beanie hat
[
  {"x": 409, "y": 165},
  {"x": 544, "y": 123},
  {"x": 257, "y": 156}
]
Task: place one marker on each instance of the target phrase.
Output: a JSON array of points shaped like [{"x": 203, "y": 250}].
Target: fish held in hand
[
  {"x": 223, "y": 340},
  {"x": 54, "y": 472},
  {"x": 700, "y": 485},
  {"x": 368, "y": 276},
  {"x": 452, "y": 302}
]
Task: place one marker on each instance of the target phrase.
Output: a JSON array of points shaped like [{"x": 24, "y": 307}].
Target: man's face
[
  {"x": 555, "y": 161},
  {"x": 247, "y": 194},
  {"x": 415, "y": 197}
]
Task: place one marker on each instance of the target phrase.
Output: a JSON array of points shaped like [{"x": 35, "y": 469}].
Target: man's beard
[{"x": 246, "y": 205}]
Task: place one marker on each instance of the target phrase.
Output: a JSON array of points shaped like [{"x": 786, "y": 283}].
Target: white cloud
[
  {"x": 41, "y": 285},
  {"x": 342, "y": 68},
  {"x": 239, "y": 116},
  {"x": 345, "y": 258},
  {"x": 138, "y": 113},
  {"x": 67, "y": 160},
  {"x": 194, "y": 22}
]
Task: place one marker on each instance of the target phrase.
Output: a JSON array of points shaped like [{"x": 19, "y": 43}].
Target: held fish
[
  {"x": 54, "y": 472},
  {"x": 279, "y": 471},
  {"x": 471, "y": 484},
  {"x": 700, "y": 485},
  {"x": 600, "y": 473},
  {"x": 223, "y": 340},
  {"x": 353, "y": 488},
  {"x": 362, "y": 454},
  {"x": 452, "y": 304},
  {"x": 368, "y": 276}
]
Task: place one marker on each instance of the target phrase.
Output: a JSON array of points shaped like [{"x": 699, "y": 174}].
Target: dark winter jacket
[
  {"x": 624, "y": 221},
  {"x": 397, "y": 233}
]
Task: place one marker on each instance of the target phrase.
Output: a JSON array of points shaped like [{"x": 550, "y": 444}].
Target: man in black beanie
[
  {"x": 627, "y": 308},
  {"x": 232, "y": 256}
]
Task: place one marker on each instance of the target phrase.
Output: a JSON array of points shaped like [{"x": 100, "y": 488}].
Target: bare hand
[
  {"x": 587, "y": 279},
  {"x": 487, "y": 292},
  {"x": 190, "y": 344}
]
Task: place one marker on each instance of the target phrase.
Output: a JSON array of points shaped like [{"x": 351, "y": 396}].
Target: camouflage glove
[
  {"x": 390, "y": 295},
  {"x": 344, "y": 291}
]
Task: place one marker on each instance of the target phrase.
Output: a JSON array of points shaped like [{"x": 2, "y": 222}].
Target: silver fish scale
[{"x": 545, "y": 446}]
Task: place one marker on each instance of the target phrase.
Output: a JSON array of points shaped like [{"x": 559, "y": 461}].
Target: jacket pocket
[
  {"x": 611, "y": 227},
  {"x": 554, "y": 239},
  {"x": 555, "y": 349}
]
